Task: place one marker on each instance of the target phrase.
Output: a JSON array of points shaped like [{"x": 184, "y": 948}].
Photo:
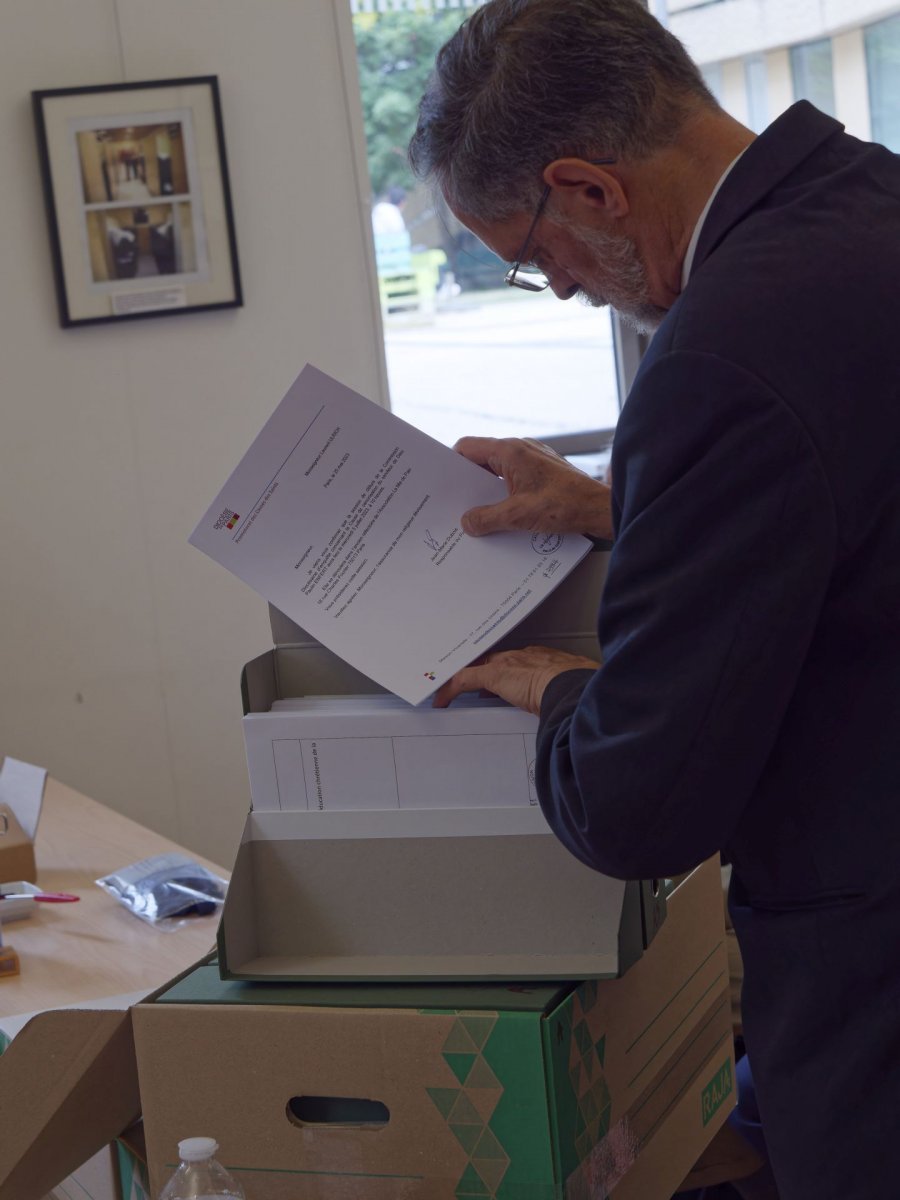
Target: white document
[
  {"x": 347, "y": 519},
  {"x": 358, "y": 758}
]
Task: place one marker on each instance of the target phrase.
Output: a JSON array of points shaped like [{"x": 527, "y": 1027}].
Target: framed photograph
[{"x": 138, "y": 202}]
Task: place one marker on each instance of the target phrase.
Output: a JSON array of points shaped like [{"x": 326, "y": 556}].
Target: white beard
[{"x": 619, "y": 279}]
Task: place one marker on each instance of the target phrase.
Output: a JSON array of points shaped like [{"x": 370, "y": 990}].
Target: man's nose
[{"x": 563, "y": 286}]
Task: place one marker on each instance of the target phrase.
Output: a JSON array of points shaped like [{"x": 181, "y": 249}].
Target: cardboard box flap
[{"x": 68, "y": 1087}]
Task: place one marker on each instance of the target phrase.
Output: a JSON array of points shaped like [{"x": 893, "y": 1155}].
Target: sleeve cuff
[{"x": 562, "y": 694}]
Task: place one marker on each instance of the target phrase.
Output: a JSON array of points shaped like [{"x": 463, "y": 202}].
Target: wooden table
[{"x": 71, "y": 953}]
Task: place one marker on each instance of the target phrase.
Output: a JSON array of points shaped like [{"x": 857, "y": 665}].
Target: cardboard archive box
[
  {"x": 438, "y": 894},
  {"x": 527, "y": 1092},
  {"x": 535, "y": 1092}
]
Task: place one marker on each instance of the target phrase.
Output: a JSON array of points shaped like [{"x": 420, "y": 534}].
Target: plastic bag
[{"x": 166, "y": 888}]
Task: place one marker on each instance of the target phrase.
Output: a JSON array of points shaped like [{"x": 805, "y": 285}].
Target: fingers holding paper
[
  {"x": 546, "y": 493},
  {"x": 517, "y": 676}
]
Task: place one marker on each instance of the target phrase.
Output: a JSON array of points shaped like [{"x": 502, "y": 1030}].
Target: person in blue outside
[{"x": 749, "y": 697}]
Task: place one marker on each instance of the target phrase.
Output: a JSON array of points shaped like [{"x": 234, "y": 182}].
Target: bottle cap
[{"x": 197, "y": 1149}]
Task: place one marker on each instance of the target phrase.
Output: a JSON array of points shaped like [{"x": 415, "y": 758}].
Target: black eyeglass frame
[{"x": 532, "y": 285}]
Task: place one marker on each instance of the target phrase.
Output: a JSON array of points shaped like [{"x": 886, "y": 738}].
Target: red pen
[{"x": 46, "y": 897}]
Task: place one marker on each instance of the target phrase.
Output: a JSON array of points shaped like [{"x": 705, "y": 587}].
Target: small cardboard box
[
  {"x": 527, "y": 1092},
  {"x": 21, "y": 795}
]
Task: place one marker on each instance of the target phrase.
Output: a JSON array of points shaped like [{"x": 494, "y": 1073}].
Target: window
[
  {"x": 883, "y": 66},
  {"x": 712, "y": 76},
  {"x": 765, "y": 53},
  {"x": 466, "y": 355},
  {"x": 757, "y": 82},
  {"x": 812, "y": 74}
]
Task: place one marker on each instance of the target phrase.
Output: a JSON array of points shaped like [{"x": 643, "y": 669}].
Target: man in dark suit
[{"x": 749, "y": 698}]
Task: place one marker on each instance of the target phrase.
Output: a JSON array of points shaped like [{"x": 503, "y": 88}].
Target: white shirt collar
[{"x": 688, "y": 263}]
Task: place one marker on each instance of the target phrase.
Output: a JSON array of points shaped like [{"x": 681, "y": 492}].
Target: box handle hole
[{"x": 337, "y": 1111}]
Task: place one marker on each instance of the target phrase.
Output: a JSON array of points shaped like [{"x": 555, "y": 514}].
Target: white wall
[{"x": 120, "y": 645}]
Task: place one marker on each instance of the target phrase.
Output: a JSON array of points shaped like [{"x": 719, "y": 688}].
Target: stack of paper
[{"x": 321, "y": 753}]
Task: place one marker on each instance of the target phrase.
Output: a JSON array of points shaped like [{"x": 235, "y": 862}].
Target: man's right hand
[{"x": 546, "y": 493}]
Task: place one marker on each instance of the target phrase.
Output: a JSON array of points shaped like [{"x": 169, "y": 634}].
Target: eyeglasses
[{"x": 523, "y": 274}]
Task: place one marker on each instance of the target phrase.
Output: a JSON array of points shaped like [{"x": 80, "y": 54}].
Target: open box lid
[
  {"x": 428, "y": 894},
  {"x": 68, "y": 1087},
  {"x": 402, "y": 894}
]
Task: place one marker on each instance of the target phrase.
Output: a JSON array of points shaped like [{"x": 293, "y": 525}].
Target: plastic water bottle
[{"x": 199, "y": 1176}]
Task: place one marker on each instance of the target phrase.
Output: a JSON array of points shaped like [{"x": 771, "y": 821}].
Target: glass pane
[
  {"x": 465, "y": 353},
  {"x": 757, "y": 92},
  {"x": 757, "y": 57},
  {"x": 883, "y": 63},
  {"x": 712, "y": 75},
  {"x": 812, "y": 73}
]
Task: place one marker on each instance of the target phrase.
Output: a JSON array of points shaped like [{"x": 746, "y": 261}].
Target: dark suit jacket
[{"x": 749, "y": 700}]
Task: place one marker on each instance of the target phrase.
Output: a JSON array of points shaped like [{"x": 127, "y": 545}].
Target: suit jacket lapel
[{"x": 777, "y": 151}]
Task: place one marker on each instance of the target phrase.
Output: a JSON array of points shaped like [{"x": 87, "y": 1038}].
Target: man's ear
[{"x": 586, "y": 189}]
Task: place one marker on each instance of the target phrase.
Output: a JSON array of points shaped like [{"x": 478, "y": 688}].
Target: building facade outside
[{"x": 759, "y": 56}]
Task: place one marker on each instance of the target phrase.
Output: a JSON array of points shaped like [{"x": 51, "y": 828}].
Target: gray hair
[{"x": 523, "y": 82}]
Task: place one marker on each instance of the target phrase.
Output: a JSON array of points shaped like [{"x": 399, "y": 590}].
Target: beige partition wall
[{"x": 120, "y": 646}]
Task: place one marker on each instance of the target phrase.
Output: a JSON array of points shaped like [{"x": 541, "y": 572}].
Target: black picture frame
[{"x": 138, "y": 199}]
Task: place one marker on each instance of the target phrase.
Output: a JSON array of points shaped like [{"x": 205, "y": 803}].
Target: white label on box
[
  {"x": 405, "y": 772},
  {"x": 319, "y": 761}
]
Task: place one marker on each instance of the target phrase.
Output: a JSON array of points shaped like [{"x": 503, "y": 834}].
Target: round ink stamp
[{"x": 546, "y": 543}]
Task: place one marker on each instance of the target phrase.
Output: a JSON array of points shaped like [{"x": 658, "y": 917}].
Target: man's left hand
[{"x": 517, "y": 676}]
